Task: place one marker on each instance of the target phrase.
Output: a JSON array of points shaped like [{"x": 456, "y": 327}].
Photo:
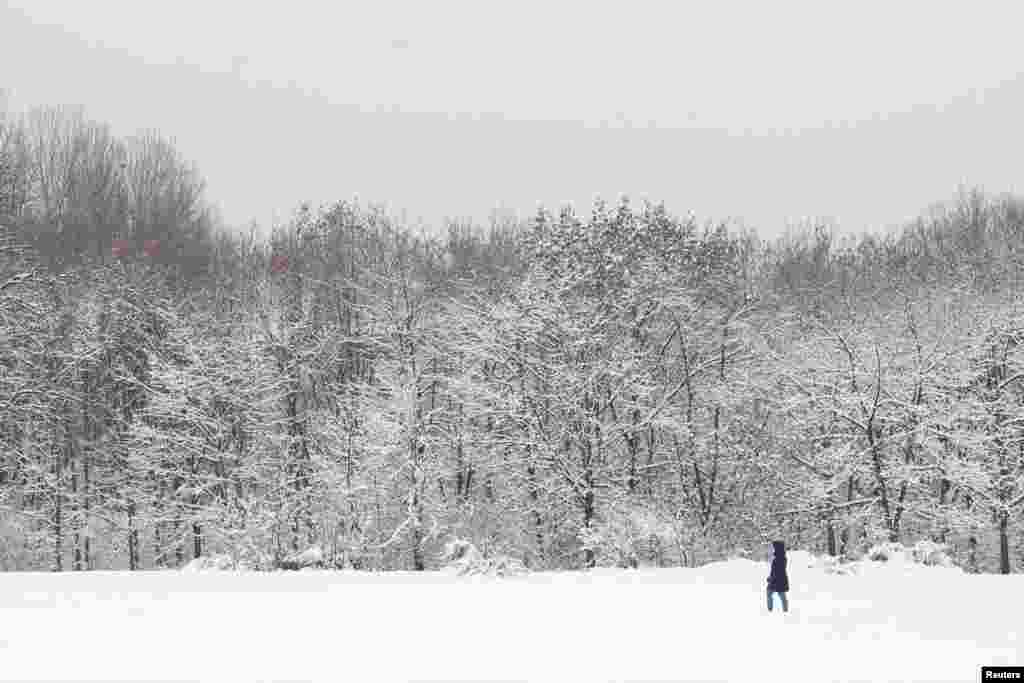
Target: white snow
[
  {"x": 889, "y": 621},
  {"x": 210, "y": 563},
  {"x": 307, "y": 558}
]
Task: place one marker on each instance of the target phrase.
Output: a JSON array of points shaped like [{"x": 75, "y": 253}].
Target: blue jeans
[{"x": 782, "y": 597}]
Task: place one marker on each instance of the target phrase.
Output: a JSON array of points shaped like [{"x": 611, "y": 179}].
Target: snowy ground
[{"x": 889, "y": 623}]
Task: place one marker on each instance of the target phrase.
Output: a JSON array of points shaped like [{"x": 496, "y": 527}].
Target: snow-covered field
[{"x": 891, "y": 622}]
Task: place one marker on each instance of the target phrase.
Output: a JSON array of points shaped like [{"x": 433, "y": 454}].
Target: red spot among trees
[
  {"x": 119, "y": 248},
  {"x": 152, "y": 248},
  {"x": 279, "y": 264}
]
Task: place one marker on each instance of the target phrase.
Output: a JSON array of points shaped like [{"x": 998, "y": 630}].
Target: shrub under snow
[
  {"x": 932, "y": 554},
  {"x": 217, "y": 563},
  {"x": 927, "y": 553},
  {"x": 887, "y": 552},
  {"x": 310, "y": 558},
  {"x": 630, "y": 536},
  {"x": 463, "y": 557},
  {"x": 833, "y": 565}
]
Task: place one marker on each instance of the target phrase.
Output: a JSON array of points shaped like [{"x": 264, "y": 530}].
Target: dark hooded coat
[{"x": 778, "y": 581}]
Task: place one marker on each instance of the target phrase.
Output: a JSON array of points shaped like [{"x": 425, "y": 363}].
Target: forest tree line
[{"x": 621, "y": 388}]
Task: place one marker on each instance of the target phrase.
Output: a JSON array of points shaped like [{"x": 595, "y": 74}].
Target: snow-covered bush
[
  {"x": 246, "y": 535},
  {"x": 629, "y": 536},
  {"x": 739, "y": 554},
  {"x": 931, "y": 554},
  {"x": 207, "y": 563},
  {"x": 462, "y": 557},
  {"x": 887, "y": 552},
  {"x": 310, "y": 558},
  {"x": 461, "y": 554},
  {"x": 834, "y": 565},
  {"x": 503, "y": 565},
  {"x": 16, "y": 544},
  {"x": 254, "y": 558},
  {"x": 927, "y": 553}
]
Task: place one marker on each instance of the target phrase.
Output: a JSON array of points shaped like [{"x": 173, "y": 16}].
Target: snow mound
[
  {"x": 833, "y": 565},
  {"x": 927, "y": 553},
  {"x": 932, "y": 554},
  {"x": 215, "y": 563},
  {"x": 887, "y": 552},
  {"x": 310, "y": 558},
  {"x": 463, "y": 558},
  {"x": 941, "y": 622},
  {"x": 733, "y": 572}
]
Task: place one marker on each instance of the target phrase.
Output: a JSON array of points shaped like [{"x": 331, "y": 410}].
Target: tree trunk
[
  {"x": 158, "y": 545},
  {"x": 587, "y": 499},
  {"x": 416, "y": 506},
  {"x": 883, "y": 491},
  {"x": 633, "y": 443},
  {"x": 197, "y": 541},
  {"x": 830, "y": 537},
  {"x": 418, "y": 563},
  {"x": 197, "y": 532},
  {"x": 943, "y": 531},
  {"x": 417, "y": 550},
  {"x": 86, "y": 508},
  {"x": 650, "y": 476},
  {"x": 179, "y": 549},
  {"x": 1004, "y": 543},
  {"x": 538, "y": 521},
  {"x": 160, "y": 550},
  {"x": 133, "y": 539},
  {"x": 58, "y": 525},
  {"x": 898, "y": 514},
  {"x": 76, "y": 539},
  {"x": 589, "y": 560}
]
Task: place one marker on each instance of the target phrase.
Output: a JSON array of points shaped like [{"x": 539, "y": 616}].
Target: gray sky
[{"x": 768, "y": 112}]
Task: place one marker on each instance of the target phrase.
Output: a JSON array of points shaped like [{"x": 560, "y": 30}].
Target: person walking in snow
[{"x": 778, "y": 581}]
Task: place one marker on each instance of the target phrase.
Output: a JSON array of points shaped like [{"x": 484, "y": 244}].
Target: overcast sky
[{"x": 860, "y": 113}]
